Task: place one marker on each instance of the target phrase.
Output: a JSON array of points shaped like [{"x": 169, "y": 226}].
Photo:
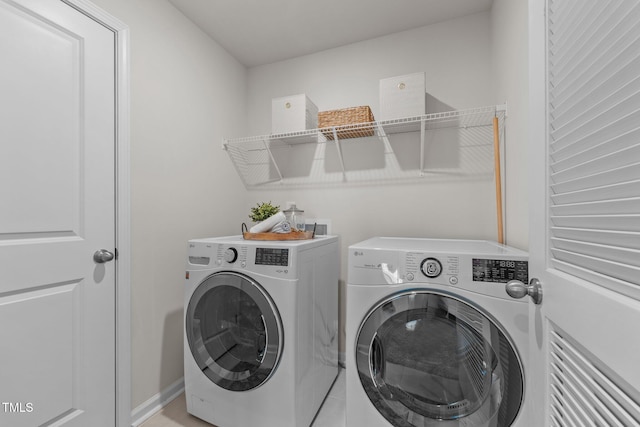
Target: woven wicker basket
[{"x": 354, "y": 122}]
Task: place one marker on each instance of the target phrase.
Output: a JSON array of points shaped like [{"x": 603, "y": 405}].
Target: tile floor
[{"x": 332, "y": 413}]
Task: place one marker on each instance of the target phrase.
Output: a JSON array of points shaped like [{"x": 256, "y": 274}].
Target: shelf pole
[
  {"x": 496, "y": 158},
  {"x": 423, "y": 124}
]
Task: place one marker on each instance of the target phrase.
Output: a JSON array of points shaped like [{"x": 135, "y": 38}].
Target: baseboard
[{"x": 145, "y": 411}]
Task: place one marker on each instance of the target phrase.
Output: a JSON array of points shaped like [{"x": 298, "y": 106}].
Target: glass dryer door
[{"x": 429, "y": 359}]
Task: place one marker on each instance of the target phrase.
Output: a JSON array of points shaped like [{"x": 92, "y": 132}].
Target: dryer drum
[
  {"x": 234, "y": 331},
  {"x": 426, "y": 358}
]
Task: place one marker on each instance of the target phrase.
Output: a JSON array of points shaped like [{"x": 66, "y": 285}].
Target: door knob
[
  {"x": 101, "y": 256},
  {"x": 517, "y": 289}
]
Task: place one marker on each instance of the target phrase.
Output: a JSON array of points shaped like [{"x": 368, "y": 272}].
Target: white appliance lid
[
  {"x": 479, "y": 247},
  {"x": 240, "y": 241}
]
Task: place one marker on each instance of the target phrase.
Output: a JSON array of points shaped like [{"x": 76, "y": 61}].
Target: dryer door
[
  {"x": 234, "y": 331},
  {"x": 429, "y": 359}
]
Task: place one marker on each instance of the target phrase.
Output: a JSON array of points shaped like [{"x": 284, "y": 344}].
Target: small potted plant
[
  {"x": 271, "y": 224},
  {"x": 263, "y": 211}
]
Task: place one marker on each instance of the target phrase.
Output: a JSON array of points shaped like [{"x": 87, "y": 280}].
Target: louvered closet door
[{"x": 585, "y": 212}]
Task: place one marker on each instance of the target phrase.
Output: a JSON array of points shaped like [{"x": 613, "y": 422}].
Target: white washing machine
[
  {"x": 261, "y": 330},
  {"x": 432, "y": 337}
]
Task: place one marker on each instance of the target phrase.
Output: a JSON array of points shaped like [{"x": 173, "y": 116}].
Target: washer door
[
  {"x": 429, "y": 359},
  {"x": 234, "y": 331}
]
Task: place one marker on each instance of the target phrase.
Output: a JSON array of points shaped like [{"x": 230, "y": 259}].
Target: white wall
[
  {"x": 456, "y": 56},
  {"x": 509, "y": 23},
  {"x": 186, "y": 93}
]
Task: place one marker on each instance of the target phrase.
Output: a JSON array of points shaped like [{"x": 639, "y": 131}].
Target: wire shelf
[{"x": 435, "y": 146}]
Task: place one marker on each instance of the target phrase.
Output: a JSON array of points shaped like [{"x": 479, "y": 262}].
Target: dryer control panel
[
  {"x": 476, "y": 265},
  {"x": 499, "y": 270},
  {"x": 427, "y": 266},
  {"x": 485, "y": 275},
  {"x": 437, "y": 268}
]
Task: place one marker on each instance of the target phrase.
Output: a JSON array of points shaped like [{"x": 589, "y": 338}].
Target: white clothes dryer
[
  {"x": 432, "y": 338},
  {"x": 261, "y": 330}
]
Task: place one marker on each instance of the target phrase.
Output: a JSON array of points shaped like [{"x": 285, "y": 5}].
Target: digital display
[
  {"x": 272, "y": 256},
  {"x": 500, "y": 270}
]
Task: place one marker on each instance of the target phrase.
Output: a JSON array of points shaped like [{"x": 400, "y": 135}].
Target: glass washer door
[
  {"x": 426, "y": 358},
  {"x": 234, "y": 331}
]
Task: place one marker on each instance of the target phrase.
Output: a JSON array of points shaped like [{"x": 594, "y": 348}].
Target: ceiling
[{"x": 259, "y": 32}]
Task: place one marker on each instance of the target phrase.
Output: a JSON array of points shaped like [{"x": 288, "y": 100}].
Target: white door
[
  {"x": 585, "y": 212},
  {"x": 57, "y": 208}
]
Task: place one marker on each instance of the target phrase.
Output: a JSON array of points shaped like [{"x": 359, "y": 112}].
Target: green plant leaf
[{"x": 263, "y": 211}]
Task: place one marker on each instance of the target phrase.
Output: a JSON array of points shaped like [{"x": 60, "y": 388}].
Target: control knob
[
  {"x": 431, "y": 267},
  {"x": 231, "y": 255}
]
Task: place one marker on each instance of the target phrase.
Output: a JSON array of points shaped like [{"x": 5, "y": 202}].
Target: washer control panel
[
  {"x": 235, "y": 254},
  {"x": 266, "y": 260},
  {"x": 272, "y": 256},
  {"x": 231, "y": 255}
]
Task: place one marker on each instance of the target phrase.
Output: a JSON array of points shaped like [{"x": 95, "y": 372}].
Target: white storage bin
[
  {"x": 293, "y": 113},
  {"x": 402, "y": 96}
]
